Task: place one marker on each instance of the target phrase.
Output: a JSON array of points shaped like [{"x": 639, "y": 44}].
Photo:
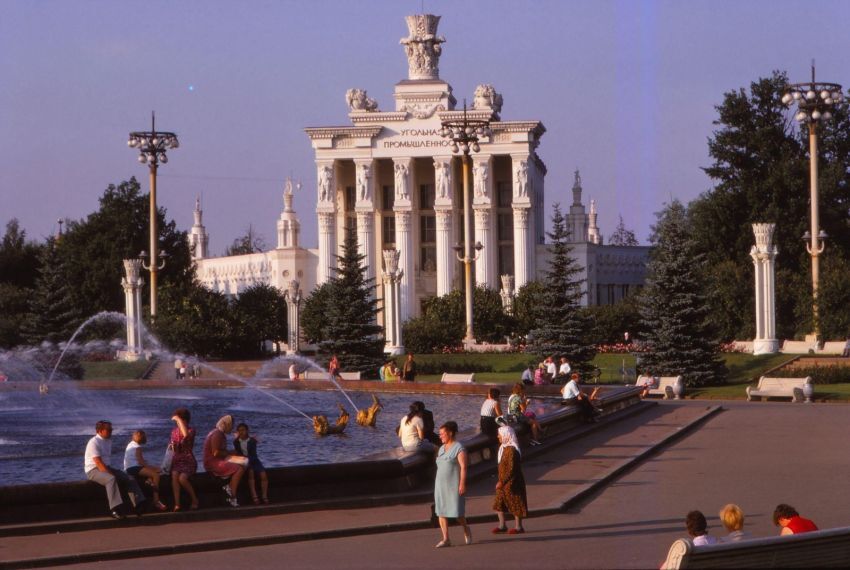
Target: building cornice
[{"x": 319, "y": 133}]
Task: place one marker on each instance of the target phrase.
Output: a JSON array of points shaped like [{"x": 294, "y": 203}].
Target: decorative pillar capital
[
  {"x": 444, "y": 219},
  {"x": 326, "y": 222},
  {"x": 521, "y": 217},
  {"x": 482, "y": 217}
]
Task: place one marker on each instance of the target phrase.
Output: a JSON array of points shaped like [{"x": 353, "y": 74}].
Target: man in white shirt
[
  {"x": 95, "y": 465},
  {"x": 551, "y": 369},
  {"x": 563, "y": 370},
  {"x": 572, "y": 394}
]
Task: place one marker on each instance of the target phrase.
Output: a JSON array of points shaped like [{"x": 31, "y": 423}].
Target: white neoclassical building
[{"x": 390, "y": 177}]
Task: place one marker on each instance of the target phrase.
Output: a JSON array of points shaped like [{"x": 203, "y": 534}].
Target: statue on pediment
[
  {"x": 521, "y": 179},
  {"x": 487, "y": 98},
  {"x": 358, "y": 101},
  {"x": 401, "y": 192}
]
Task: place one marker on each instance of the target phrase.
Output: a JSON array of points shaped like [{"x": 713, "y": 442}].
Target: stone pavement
[{"x": 755, "y": 454}]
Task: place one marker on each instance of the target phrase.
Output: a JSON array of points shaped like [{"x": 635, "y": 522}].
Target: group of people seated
[
  {"x": 229, "y": 465},
  {"x": 785, "y": 517},
  {"x": 547, "y": 372}
]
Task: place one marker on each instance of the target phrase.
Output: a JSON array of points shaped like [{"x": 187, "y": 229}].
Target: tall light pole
[
  {"x": 815, "y": 102},
  {"x": 464, "y": 134},
  {"x": 152, "y": 147}
]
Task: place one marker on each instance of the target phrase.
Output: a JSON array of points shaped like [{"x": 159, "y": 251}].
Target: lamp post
[
  {"x": 464, "y": 134},
  {"x": 152, "y": 147},
  {"x": 815, "y": 102}
]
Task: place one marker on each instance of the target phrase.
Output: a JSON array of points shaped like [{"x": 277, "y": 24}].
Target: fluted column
[
  {"x": 445, "y": 254},
  {"x": 764, "y": 255},
  {"x": 403, "y": 237},
  {"x": 293, "y": 297},
  {"x": 392, "y": 302},
  {"x": 521, "y": 257},
  {"x": 326, "y": 210},
  {"x": 132, "y": 284},
  {"x": 482, "y": 201},
  {"x": 521, "y": 204},
  {"x": 484, "y": 269}
]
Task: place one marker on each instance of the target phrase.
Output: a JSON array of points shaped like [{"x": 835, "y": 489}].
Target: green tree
[
  {"x": 18, "y": 273},
  {"x": 561, "y": 328},
  {"x": 678, "y": 333},
  {"x": 610, "y": 322},
  {"x": 251, "y": 242},
  {"x": 260, "y": 315},
  {"x": 53, "y": 314},
  {"x": 760, "y": 170},
  {"x": 623, "y": 236},
  {"x": 526, "y": 303},
  {"x": 95, "y": 247},
  {"x": 350, "y": 330},
  {"x": 194, "y": 320},
  {"x": 315, "y": 311}
]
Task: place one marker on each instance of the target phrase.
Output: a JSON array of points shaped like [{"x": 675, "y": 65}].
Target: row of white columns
[{"x": 444, "y": 208}]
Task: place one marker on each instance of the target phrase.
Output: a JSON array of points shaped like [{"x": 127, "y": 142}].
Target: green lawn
[{"x": 114, "y": 370}]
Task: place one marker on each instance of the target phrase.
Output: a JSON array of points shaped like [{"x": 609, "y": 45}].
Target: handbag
[{"x": 165, "y": 468}]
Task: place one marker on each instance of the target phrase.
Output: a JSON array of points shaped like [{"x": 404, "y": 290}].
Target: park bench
[
  {"x": 833, "y": 347},
  {"x": 798, "y": 347},
  {"x": 797, "y": 389},
  {"x": 322, "y": 375},
  {"x": 669, "y": 387},
  {"x": 822, "y": 548},
  {"x": 457, "y": 378}
]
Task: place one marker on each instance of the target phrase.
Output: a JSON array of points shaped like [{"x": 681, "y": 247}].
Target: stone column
[
  {"x": 326, "y": 210},
  {"x": 484, "y": 269},
  {"x": 764, "y": 254},
  {"x": 482, "y": 201},
  {"x": 392, "y": 302},
  {"x": 132, "y": 284},
  {"x": 507, "y": 294},
  {"x": 443, "y": 210},
  {"x": 364, "y": 186},
  {"x": 521, "y": 204},
  {"x": 403, "y": 238},
  {"x": 293, "y": 298}
]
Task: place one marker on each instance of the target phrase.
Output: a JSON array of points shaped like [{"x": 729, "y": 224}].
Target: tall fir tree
[
  {"x": 351, "y": 331},
  {"x": 53, "y": 315},
  {"x": 674, "y": 307},
  {"x": 561, "y": 327}
]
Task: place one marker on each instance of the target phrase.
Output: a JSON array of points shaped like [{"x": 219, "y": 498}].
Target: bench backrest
[
  {"x": 457, "y": 378},
  {"x": 766, "y": 383},
  {"x": 823, "y": 548},
  {"x": 663, "y": 381},
  {"x": 833, "y": 347},
  {"x": 350, "y": 375},
  {"x": 316, "y": 375},
  {"x": 798, "y": 346}
]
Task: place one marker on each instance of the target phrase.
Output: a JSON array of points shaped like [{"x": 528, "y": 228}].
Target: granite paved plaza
[{"x": 754, "y": 454}]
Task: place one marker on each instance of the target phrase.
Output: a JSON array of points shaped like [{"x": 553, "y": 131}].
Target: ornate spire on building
[
  {"x": 577, "y": 219},
  {"x": 577, "y": 189},
  {"x": 593, "y": 235},
  {"x": 288, "y": 226},
  {"x": 422, "y": 47},
  {"x": 198, "y": 238}
]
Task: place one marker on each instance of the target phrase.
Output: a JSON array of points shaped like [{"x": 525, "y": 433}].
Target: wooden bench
[
  {"x": 457, "y": 378},
  {"x": 797, "y": 389},
  {"x": 670, "y": 387},
  {"x": 818, "y": 549},
  {"x": 322, "y": 375}
]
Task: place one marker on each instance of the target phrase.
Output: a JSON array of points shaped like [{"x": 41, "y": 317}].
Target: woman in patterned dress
[
  {"x": 183, "y": 464},
  {"x": 510, "y": 489},
  {"x": 450, "y": 484}
]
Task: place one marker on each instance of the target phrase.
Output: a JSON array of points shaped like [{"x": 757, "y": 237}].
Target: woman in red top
[
  {"x": 790, "y": 520},
  {"x": 221, "y": 463}
]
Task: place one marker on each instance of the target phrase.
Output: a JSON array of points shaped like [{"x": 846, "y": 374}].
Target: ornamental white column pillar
[
  {"x": 482, "y": 204},
  {"x": 403, "y": 237},
  {"x": 326, "y": 210},
  {"x": 521, "y": 204},
  {"x": 764, "y": 255},
  {"x": 293, "y": 297},
  {"x": 484, "y": 269},
  {"x": 364, "y": 206},
  {"x": 132, "y": 284},
  {"x": 507, "y": 293},
  {"x": 392, "y": 298},
  {"x": 443, "y": 211}
]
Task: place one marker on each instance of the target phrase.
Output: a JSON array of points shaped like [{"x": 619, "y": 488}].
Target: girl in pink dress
[{"x": 183, "y": 464}]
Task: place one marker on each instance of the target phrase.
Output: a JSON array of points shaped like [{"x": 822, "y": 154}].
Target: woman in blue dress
[{"x": 450, "y": 485}]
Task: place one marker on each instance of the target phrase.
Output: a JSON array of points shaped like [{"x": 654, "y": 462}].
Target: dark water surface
[{"x": 42, "y": 438}]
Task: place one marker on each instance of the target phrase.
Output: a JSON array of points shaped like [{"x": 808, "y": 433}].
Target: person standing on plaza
[
  {"x": 450, "y": 484},
  {"x": 183, "y": 464},
  {"x": 219, "y": 462},
  {"x": 551, "y": 369},
  {"x": 519, "y": 412},
  {"x": 97, "y": 469},
  {"x": 563, "y": 370},
  {"x": 787, "y": 517},
  {"x": 408, "y": 373},
  {"x": 137, "y": 467},
  {"x": 334, "y": 369},
  {"x": 178, "y": 364},
  {"x": 510, "y": 488}
]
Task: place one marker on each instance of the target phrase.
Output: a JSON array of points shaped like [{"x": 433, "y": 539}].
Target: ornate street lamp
[
  {"x": 152, "y": 147},
  {"x": 464, "y": 134},
  {"x": 815, "y": 102}
]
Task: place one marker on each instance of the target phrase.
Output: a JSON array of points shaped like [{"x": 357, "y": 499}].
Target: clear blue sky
[{"x": 626, "y": 90}]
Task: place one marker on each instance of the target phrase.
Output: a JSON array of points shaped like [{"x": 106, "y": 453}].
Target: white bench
[
  {"x": 833, "y": 347},
  {"x": 457, "y": 378},
  {"x": 795, "y": 388},
  {"x": 322, "y": 375},
  {"x": 798, "y": 347},
  {"x": 670, "y": 387},
  {"x": 811, "y": 549}
]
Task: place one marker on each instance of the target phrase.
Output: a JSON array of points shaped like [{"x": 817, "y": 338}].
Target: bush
[{"x": 820, "y": 374}]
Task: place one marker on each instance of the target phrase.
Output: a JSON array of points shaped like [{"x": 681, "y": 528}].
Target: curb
[{"x": 266, "y": 540}]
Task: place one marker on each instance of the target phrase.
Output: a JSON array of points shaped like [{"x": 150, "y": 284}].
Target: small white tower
[
  {"x": 593, "y": 235},
  {"x": 288, "y": 226},
  {"x": 198, "y": 238},
  {"x": 577, "y": 218}
]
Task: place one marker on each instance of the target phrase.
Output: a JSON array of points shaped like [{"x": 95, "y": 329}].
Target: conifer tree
[
  {"x": 351, "y": 330},
  {"x": 561, "y": 327},
  {"x": 53, "y": 315},
  {"x": 674, "y": 307}
]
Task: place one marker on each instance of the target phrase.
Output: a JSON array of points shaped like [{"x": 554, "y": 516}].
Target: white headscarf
[{"x": 509, "y": 439}]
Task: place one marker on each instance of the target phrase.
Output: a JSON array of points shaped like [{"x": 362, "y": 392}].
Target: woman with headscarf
[
  {"x": 219, "y": 462},
  {"x": 510, "y": 489}
]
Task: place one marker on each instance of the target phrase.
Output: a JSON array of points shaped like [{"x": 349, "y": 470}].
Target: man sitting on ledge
[
  {"x": 572, "y": 394},
  {"x": 98, "y": 450}
]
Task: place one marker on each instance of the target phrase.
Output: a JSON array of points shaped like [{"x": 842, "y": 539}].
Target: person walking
[
  {"x": 450, "y": 484},
  {"x": 97, "y": 469},
  {"x": 510, "y": 488}
]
